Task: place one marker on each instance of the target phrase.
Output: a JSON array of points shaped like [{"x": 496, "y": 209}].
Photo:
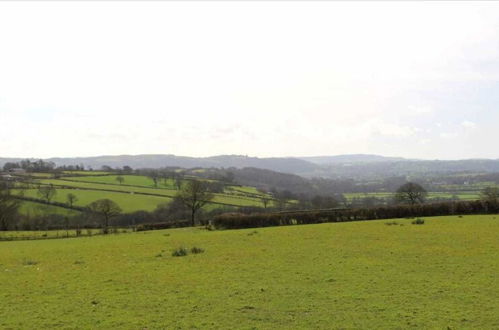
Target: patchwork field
[
  {"x": 440, "y": 275},
  {"x": 136, "y": 193}
]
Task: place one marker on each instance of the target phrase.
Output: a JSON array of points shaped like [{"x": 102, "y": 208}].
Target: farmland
[
  {"x": 438, "y": 275},
  {"x": 135, "y": 193},
  {"x": 458, "y": 195}
]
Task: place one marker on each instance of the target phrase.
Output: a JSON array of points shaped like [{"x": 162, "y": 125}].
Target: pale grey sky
[{"x": 412, "y": 79}]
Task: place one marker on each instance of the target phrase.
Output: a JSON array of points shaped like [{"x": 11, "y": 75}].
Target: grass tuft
[
  {"x": 197, "y": 250},
  {"x": 418, "y": 221},
  {"x": 180, "y": 252}
]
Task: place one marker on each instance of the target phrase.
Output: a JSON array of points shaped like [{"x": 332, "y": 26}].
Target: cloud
[
  {"x": 420, "y": 110},
  {"x": 448, "y": 135},
  {"x": 468, "y": 124}
]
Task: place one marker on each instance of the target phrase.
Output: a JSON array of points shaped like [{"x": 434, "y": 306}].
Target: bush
[
  {"x": 391, "y": 223},
  {"x": 197, "y": 250},
  {"x": 418, "y": 221},
  {"x": 180, "y": 252}
]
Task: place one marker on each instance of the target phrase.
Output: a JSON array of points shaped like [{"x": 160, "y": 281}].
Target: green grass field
[
  {"x": 34, "y": 209},
  {"x": 359, "y": 275},
  {"x": 127, "y": 202},
  {"x": 134, "y": 180},
  {"x": 219, "y": 198},
  {"x": 461, "y": 195}
]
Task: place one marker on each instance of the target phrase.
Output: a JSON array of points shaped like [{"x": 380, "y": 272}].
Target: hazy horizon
[
  {"x": 244, "y": 155},
  {"x": 267, "y": 79}
]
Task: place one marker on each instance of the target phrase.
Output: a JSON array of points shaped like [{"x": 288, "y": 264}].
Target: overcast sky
[{"x": 411, "y": 79}]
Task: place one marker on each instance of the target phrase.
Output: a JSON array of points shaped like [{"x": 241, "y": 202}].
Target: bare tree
[
  {"x": 71, "y": 199},
  {"x": 120, "y": 179},
  {"x": 490, "y": 198},
  {"x": 490, "y": 194},
  {"x": 411, "y": 193},
  {"x": 178, "y": 180},
  {"x": 9, "y": 206},
  {"x": 194, "y": 195},
  {"x": 165, "y": 175},
  {"x": 47, "y": 192},
  {"x": 154, "y": 176},
  {"x": 106, "y": 209}
]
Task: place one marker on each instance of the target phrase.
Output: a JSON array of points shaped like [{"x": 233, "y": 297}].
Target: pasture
[
  {"x": 440, "y": 275},
  {"x": 137, "y": 193}
]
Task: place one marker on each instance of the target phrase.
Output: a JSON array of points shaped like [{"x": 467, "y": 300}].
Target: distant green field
[
  {"x": 250, "y": 190},
  {"x": 462, "y": 195},
  {"x": 101, "y": 186},
  {"x": 127, "y": 202},
  {"x": 34, "y": 209},
  {"x": 359, "y": 275},
  {"x": 134, "y": 180},
  {"x": 219, "y": 198},
  {"x": 86, "y": 172}
]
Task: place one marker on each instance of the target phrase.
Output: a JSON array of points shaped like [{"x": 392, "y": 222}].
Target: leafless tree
[
  {"x": 120, "y": 179},
  {"x": 71, "y": 199},
  {"x": 411, "y": 193},
  {"x": 106, "y": 209},
  {"x": 47, "y": 192},
  {"x": 194, "y": 195}
]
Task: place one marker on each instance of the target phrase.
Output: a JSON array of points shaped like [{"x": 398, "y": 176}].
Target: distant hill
[
  {"x": 286, "y": 165},
  {"x": 357, "y": 166},
  {"x": 357, "y": 158}
]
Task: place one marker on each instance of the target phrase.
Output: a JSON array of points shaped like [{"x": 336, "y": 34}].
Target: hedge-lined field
[
  {"x": 357, "y": 275},
  {"x": 461, "y": 195},
  {"x": 134, "y": 180},
  {"x": 135, "y": 194},
  {"x": 127, "y": 202},
  {"x": 35, "y": 209}
]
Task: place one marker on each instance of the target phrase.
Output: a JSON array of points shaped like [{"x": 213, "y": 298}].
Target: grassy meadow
[
  {"x": 357, "y": 275},
  {"x": 460, "y": 195},
  {"x": 137, "y": 193}
]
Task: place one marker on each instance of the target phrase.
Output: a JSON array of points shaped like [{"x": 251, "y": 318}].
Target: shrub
[
  {"x": 180, "y": 252},
  {"x": 418, "y": 221},
  {"x": 391, "y": 223},
  {"x": 197, "y": 250}
]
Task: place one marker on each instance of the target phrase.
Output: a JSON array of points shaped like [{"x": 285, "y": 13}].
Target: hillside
[
  {"x": 342, "y": 166},
  {"x": 440, "y": 275}
]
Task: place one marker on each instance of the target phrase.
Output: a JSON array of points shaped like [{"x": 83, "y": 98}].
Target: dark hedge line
[
  {"x": 238, "y": 220},
  {"x": 41, "y": 201},
  {"x": 162, "y": 225}
]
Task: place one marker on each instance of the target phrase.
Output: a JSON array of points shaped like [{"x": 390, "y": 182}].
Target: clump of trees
[
  {"x": 9, "y": 206},
  {"x": 31, "y": 166}
]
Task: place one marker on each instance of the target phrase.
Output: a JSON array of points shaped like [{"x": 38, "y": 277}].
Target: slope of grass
[
  {"x": 219, "y": 198},
  {"x": 134, "y": 180},
  {"x": 361, "y": 275},
  {"x": 127, "y": 202},
  {"x": 35, "y": 209}
]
